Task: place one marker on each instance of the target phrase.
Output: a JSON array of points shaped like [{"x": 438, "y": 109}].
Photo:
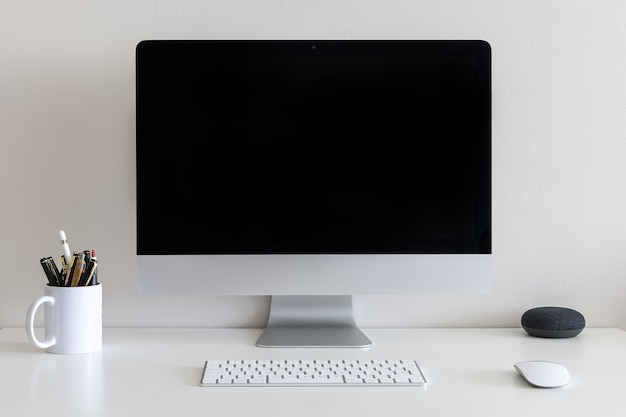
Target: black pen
[
  {"x": 66, "y": 252},
  {"x": 88, "y": 273},
  {"x": 64, "y": 268},
  {"x": 46, "y": 269},
  {"x": 55, "y": 271}
]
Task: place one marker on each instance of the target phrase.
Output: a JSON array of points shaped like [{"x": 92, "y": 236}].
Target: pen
[
  {"x": 70, "y": 270},
  {"x": 88, "y": 275},
  {"x": 63, "y": 271},
  {"x": 45, "y": 264},
  {"x": 94, "y": 281},
  {"x": 55, "y": 271},
  {"x": 66, "y": 253},
  {"x": 77, "y": 269}
]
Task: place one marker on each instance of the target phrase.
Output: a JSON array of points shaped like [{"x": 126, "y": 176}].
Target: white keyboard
[{"x": 311, "y": 373}]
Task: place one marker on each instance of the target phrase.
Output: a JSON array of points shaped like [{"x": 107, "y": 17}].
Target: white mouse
[{"x": 543, "y": 374}]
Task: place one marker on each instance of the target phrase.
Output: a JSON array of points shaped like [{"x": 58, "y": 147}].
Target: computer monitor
[{"x": 312, "y": 171}]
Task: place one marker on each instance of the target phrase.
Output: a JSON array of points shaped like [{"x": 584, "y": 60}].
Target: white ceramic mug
[{"x": 72, "y": 317}]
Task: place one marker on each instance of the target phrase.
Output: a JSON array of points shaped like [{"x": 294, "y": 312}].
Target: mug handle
[{"x": 30, "y": 319}]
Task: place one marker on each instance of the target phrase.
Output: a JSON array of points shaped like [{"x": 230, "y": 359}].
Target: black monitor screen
[{"x": 301, "y": 147}]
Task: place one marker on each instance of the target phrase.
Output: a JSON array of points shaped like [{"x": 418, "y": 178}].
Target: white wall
[{"x": 559, "y": 147}]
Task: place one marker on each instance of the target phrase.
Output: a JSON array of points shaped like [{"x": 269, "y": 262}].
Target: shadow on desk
[{"x": 495, "y": 378}]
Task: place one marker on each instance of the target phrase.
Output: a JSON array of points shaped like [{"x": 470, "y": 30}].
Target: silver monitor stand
[{"x": 312, "y": 321}]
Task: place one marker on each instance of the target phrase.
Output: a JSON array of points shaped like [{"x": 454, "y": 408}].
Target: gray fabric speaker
[{"x": 553, "y": 322}]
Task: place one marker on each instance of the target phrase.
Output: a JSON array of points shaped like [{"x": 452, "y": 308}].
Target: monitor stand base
[{"x": 312, "y": 321}]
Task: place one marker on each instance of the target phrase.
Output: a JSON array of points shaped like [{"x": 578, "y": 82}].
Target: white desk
[{"x": 155, "y": 372}]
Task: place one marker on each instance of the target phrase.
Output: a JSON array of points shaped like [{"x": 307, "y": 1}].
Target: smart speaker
[{"x": 553, "y": 322}]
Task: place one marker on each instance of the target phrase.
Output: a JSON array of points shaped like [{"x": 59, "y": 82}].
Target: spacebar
[{"x": 277, "y": 379}]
